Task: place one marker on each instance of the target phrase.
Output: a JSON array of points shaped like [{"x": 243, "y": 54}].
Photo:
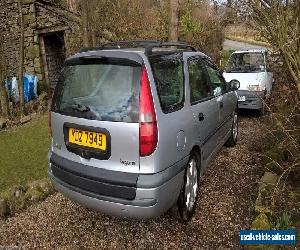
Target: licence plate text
[
  {"x": 242, "y": 98},
  {"x": 87, "y": 139}
]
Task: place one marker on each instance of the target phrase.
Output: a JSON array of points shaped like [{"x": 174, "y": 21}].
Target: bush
[
  {"x": 149, "y": 20},
  {"x": 20, "y": 197},
  {"x": 200, "y": 26},
  {"x": 280, "y": 148}
]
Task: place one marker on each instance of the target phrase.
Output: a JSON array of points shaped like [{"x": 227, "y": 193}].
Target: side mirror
[
  {"x": 234, "y": 85},
  {"x": 218, "y": 91}
]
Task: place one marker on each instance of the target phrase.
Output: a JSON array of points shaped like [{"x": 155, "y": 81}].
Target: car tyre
[
  {"x": 232, "y": 140},
  {"x": 187, "y": 200}
]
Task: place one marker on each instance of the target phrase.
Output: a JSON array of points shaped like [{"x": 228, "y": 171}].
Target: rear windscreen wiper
[{"x": 80, "y": 107}]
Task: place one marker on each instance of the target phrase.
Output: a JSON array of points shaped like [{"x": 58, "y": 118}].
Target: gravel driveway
[{"x": 227, "y": 194}]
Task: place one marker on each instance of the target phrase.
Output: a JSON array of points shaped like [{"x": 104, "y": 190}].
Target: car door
[
  {"x": 204, "y": 107},
  {"x": 226, "y": 100}
]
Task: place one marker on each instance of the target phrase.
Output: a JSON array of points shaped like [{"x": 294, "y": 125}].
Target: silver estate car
[{"x": 135, "y": 124}]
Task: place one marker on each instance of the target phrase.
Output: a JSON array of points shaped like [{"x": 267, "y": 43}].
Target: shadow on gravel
[{"x": 248, "y": 113}]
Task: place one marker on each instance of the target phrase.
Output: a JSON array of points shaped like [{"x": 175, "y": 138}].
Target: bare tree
[
  {"x": 72, "y": 5},
  {"x": 173, "y": 30},
  {"x": 85, "y": 23},
  {"x": 21, "y": 58},
  {"x": 279, "y": 23}
]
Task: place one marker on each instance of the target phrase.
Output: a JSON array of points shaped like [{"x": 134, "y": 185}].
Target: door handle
[
  {"x": 221, "y": 105},
  {"x": 201, "y": 116}
]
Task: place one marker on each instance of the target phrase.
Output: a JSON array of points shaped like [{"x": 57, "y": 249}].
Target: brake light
[{"x": 147, "y": 117}]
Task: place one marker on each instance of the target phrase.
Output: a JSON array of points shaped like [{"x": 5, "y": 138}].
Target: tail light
[{"x": 147, "y": 117}]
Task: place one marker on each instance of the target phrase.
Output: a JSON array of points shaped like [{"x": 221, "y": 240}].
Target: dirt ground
[{"x": 227, "y": 193}]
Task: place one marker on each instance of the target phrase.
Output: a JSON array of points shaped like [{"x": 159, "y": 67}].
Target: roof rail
[{"x": 147, "y": 44}]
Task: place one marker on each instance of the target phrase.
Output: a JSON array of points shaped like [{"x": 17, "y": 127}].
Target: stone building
[{"x": 51, "y": 33}]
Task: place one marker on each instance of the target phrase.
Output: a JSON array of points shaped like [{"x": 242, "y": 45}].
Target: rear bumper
[
  {"x": 253, "y": 100},
  {"x": 146, "y": 203}
]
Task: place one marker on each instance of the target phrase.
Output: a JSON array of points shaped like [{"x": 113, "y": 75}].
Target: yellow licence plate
[{"x": 87, "y": 139}]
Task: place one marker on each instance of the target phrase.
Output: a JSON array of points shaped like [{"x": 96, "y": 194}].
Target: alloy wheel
[
  {"x": 191, "y": 185},
  {"x": 235, "y": 127}
]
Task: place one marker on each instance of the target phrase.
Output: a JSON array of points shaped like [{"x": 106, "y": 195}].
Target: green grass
[{"x": 23, "y": 153}]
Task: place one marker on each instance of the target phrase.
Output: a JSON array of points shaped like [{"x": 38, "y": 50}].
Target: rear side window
[
  {"x": 216, "y": 79},
  {"x": 213, "y": 75},
  {"x": 106, "y": 91},
  {"x": 169, "y": 79},
  {"x": 199, "y": 86}
]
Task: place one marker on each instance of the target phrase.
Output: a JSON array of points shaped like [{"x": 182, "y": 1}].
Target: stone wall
[
  {"x": 39, "y": 18},
  {"x": 9, "y": 31},
  {"x": 50, "y": 18},
  {"x": 31, "y": 43}
]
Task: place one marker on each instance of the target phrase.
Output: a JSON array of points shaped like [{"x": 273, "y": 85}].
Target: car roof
[
  {"x": 137, "y": 51},
  {"x": 141, "y": 51},
  {"x": 148, "y": 48}
]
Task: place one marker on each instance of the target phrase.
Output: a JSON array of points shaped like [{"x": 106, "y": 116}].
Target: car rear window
[
  {"x": 106, "y": 90},
  {"x": 169, "y": 80}
]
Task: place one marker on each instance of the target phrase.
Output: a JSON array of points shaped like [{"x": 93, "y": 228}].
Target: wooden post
[
  {"x": 4, "y": 105},
  {"x": 85, "y": 24},
  {"x": 173, "y": 28},
  {"x": 21, "y": 59},
  {"x": 3, "y": 96}
]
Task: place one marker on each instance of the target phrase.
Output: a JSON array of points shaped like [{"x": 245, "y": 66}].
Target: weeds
[
  {"x": 284, "y": 221},
  {"x": 281, "y": 153}
]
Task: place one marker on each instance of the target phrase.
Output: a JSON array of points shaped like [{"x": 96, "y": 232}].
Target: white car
[{"x": 250, "y": 68}]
